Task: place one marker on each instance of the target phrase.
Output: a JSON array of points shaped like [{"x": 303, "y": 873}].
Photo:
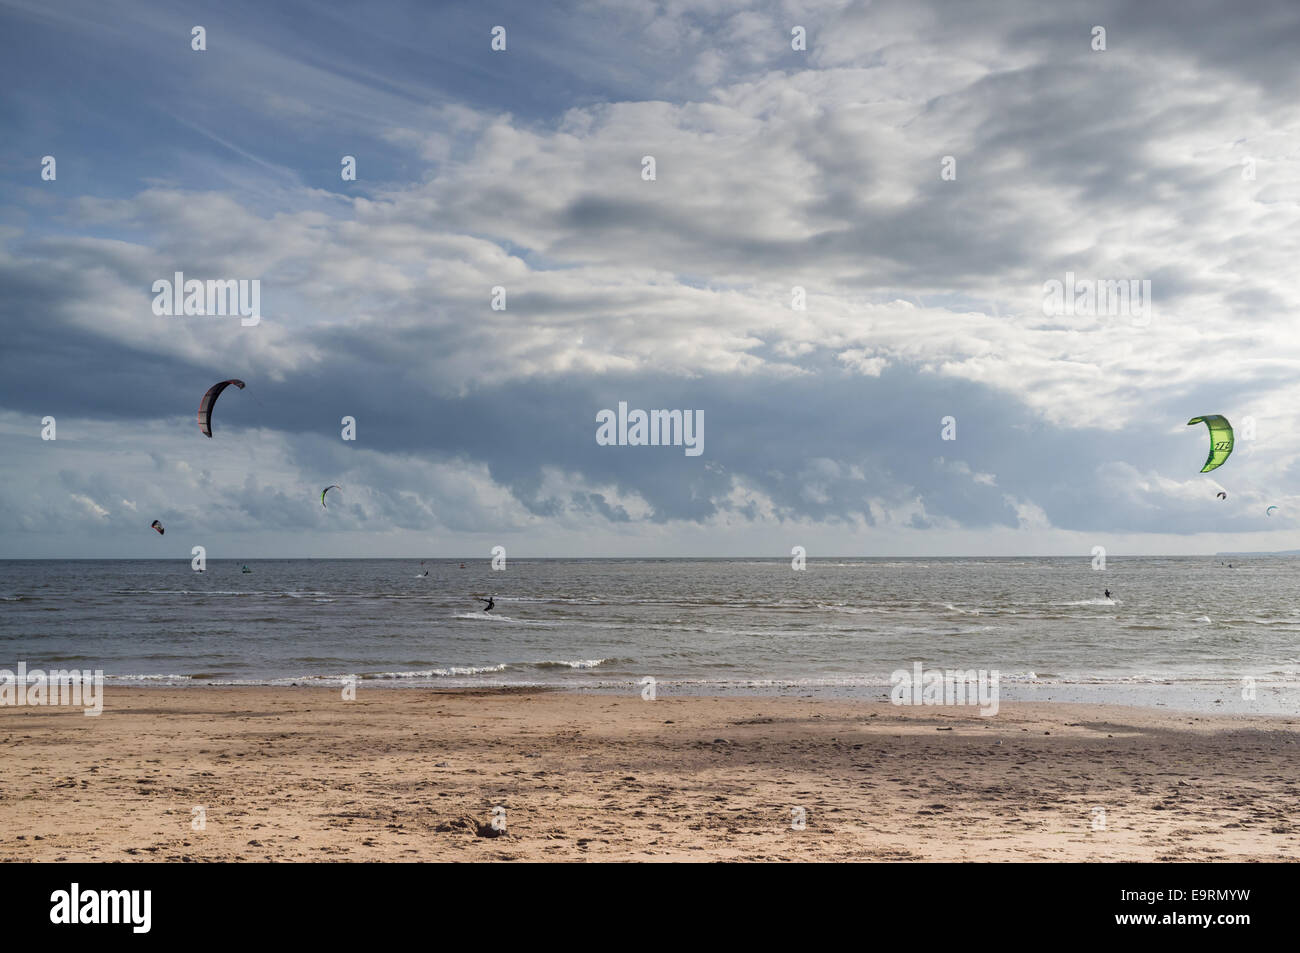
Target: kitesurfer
[{"x": 491, "y": 603}]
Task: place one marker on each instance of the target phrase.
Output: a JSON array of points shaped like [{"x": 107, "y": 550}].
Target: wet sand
[{"x": 416, "y": 775}]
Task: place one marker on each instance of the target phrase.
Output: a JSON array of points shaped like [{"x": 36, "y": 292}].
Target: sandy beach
[{"x": 417, "y": 775}]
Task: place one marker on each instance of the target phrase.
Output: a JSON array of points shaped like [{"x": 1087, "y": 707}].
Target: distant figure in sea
[
  {"x": 491, "y": 603},
  {"x": 1107, "y": 593}
]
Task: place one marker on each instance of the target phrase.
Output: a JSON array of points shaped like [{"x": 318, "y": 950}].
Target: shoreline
[
  {"x": 1278, "y": 699},
  {"x": 418, "y": 775}
]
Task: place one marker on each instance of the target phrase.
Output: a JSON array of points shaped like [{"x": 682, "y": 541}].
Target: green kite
[{"x": 1220, "y": 439}]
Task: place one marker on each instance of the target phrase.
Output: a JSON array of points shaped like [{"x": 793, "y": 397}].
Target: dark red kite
[{"x": 210, "y": 398}]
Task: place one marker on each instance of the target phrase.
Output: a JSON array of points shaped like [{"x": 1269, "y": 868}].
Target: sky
[{"x": 842, "y": 260}]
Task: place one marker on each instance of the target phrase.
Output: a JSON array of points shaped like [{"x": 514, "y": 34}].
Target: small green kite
[{"x": 1220, "y": 439}]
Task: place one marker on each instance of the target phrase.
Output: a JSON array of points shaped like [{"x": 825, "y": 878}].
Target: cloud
[{"x": 775, "y": 169}]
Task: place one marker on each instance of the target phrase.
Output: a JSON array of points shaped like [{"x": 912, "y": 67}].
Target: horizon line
[{"x": 1109, "y": 556}]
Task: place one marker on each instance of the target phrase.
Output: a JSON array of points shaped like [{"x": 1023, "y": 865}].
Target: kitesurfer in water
[
  {"x": 1107, "y": 593},
  {"x": 491, "y": 603}
]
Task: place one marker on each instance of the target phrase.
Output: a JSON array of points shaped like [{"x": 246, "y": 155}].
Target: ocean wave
[
  {"x": 567, "y": 600},
  {"x": 272, "y": 593},
  {"x": 147, "y": 677},
  {"x": 470, "y": 676},
  {"x": 496, "y": 617},
  {"x": 848, "y": 610},
  {"x": 450, "y": 671},
  {"x": 576, "y": 663},
  {"x": 322, "y": 680}
]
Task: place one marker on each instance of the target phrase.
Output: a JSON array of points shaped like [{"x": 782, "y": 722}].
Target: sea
[{"x": 1212, "y": 634}]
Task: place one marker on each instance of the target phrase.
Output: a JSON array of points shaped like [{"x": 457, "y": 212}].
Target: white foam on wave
[
  {"x": 584, "y": 600},
  {"x": 273, "y": 593},
  {"x": 494, "y": 617},
  {"x": 147, "y": 678},
  {"x": 576, "y": 663},
  {"x": 290, "y": 680},
  {"x": 449, "y": 671}
]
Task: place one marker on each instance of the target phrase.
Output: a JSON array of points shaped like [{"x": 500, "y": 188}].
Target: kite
[
  {"x": 1221, "y": 495},
  {"x": 1269, "y": 511},
  {"x": 332, "y": 486},
  {"x": 1220, "y": 439},
  {"x": 158, "y": 526},
  {"x": 210, "y": 398}
]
